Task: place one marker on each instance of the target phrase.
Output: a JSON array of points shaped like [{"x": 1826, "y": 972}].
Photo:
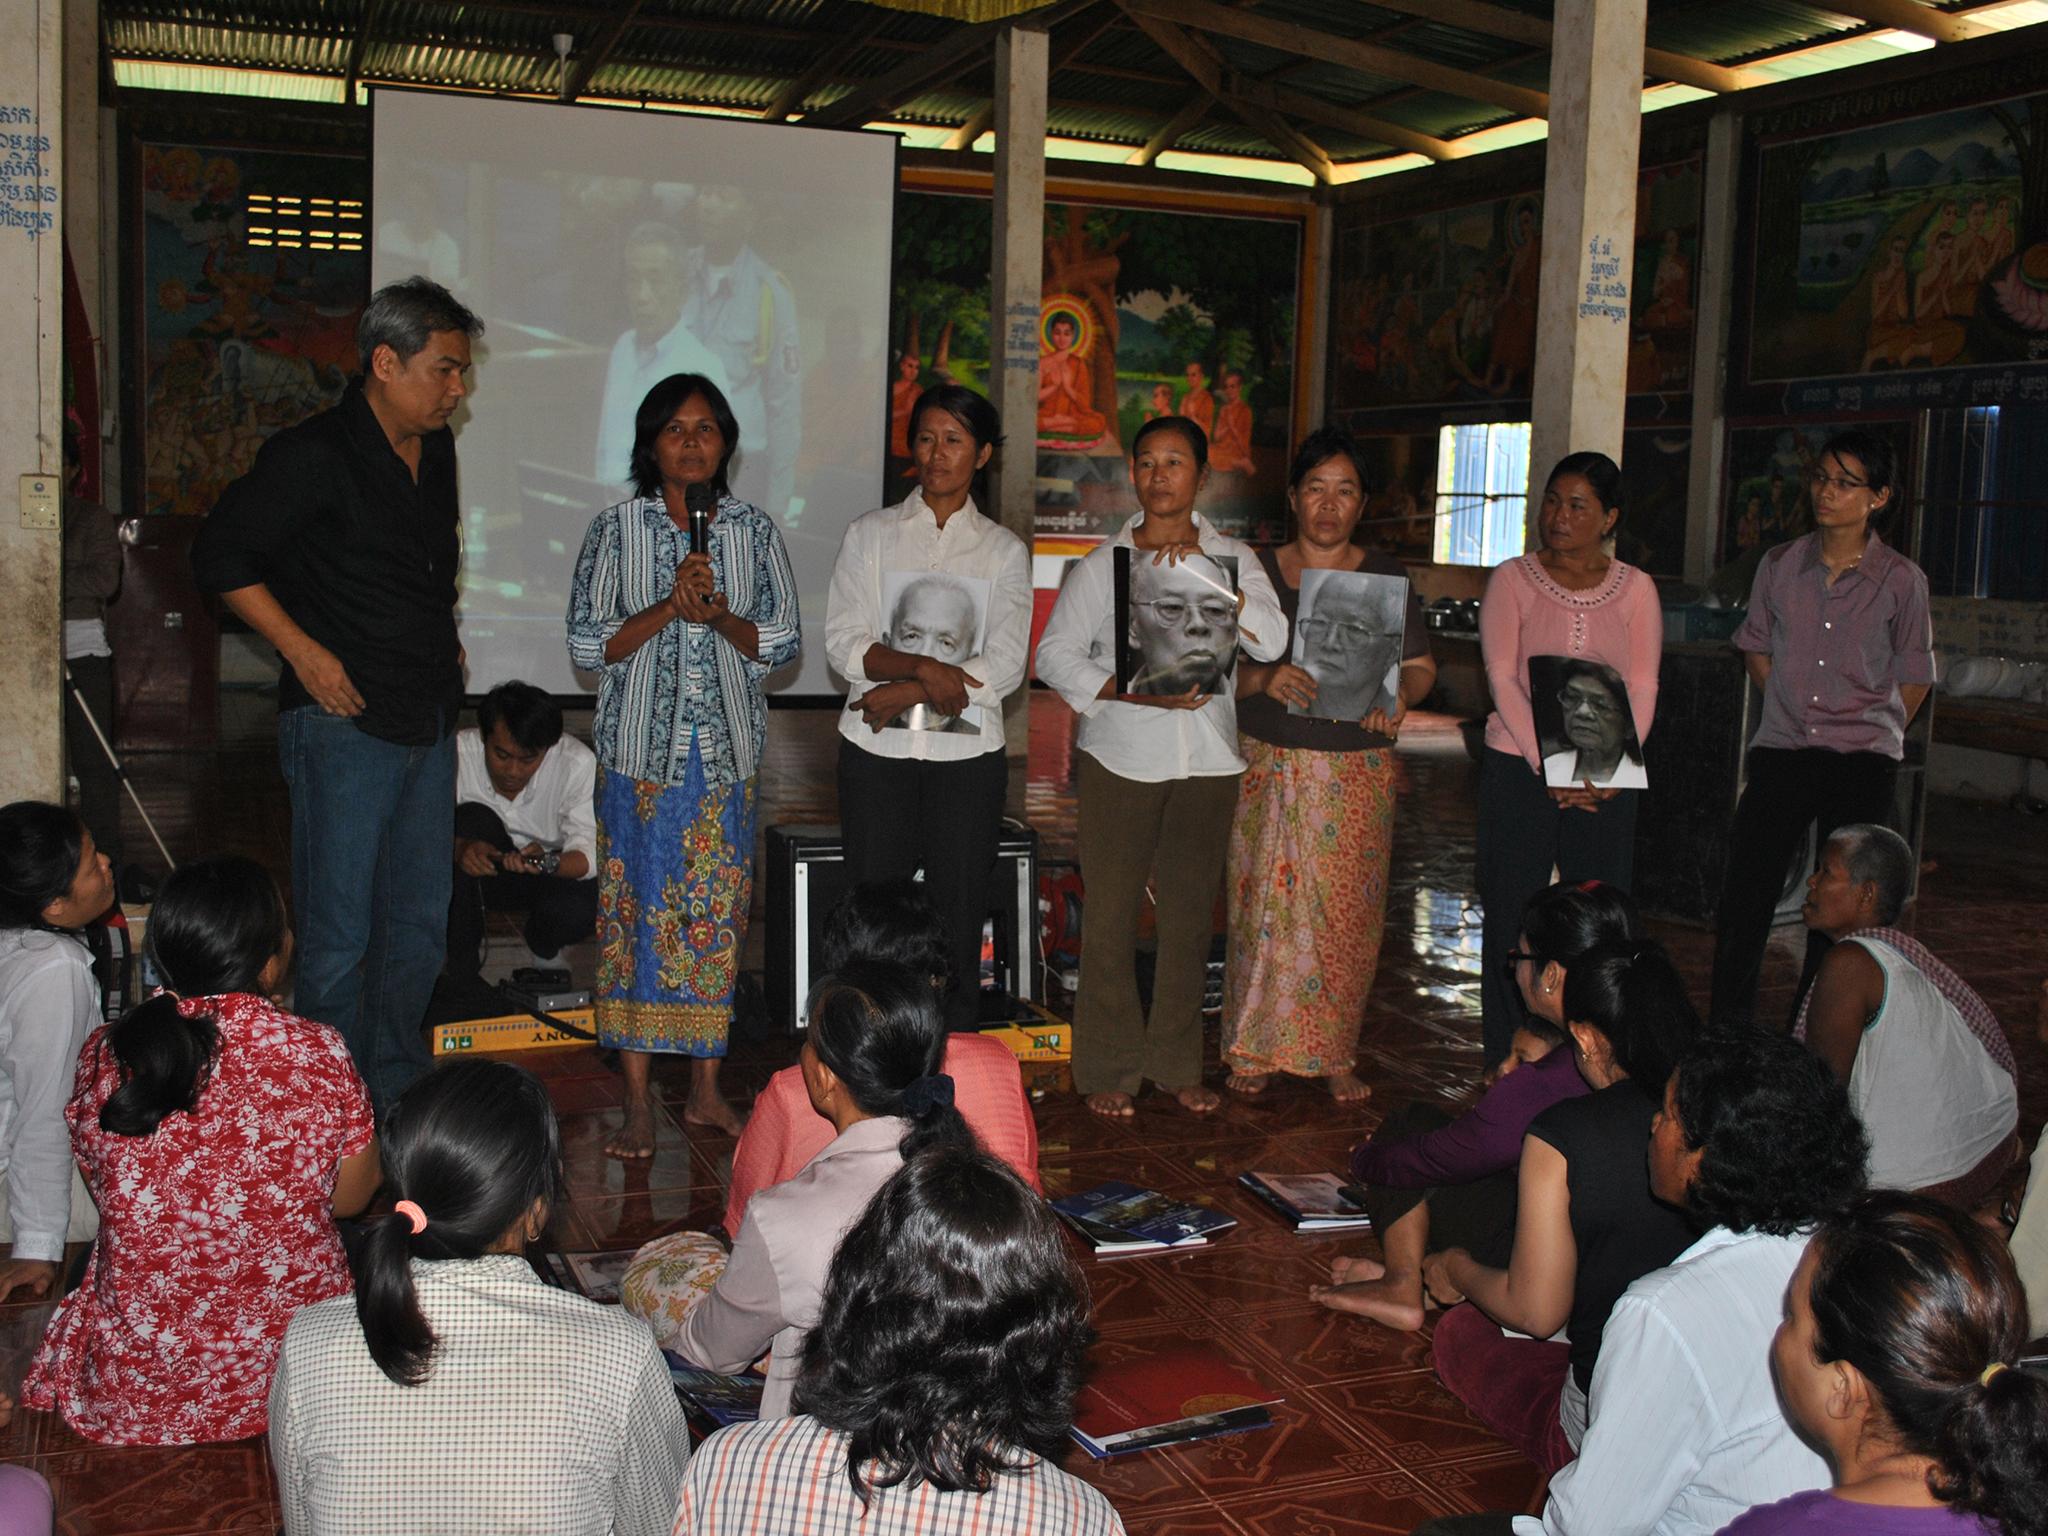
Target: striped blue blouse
[{"x": 686, "y": 680}]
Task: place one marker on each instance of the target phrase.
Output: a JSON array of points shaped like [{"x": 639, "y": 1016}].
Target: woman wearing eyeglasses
[
  {"x": 1315, "y": 809},
  {"x": 1839, "y": 640},
  {"x": 1599, "y": 748},
  {"x": 1157, "y": 766},
  {"x": 1568, "y": 598}
]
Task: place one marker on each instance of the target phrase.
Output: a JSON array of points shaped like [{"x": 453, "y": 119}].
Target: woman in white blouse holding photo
[
  {"x": 922, "y": 767},
  {"x": 1158, "y": 781}
]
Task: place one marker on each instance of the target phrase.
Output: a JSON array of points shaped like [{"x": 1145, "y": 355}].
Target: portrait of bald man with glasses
[
  {"x": 1182, "y": 631},
  {"x": 1348, "y": 636}
]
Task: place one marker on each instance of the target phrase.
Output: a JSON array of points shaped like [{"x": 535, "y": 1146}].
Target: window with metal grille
[
  {"x": 291, "y": 223},
  {"x": 1482, "y": 492}
]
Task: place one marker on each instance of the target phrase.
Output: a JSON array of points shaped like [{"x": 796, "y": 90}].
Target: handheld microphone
[{"x": 699, "y": 500}]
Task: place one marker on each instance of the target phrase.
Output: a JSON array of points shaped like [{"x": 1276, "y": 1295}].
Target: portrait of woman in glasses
[{"x": 1583, "y": 721}]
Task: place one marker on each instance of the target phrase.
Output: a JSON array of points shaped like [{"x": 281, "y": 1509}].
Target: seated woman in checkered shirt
[
  {"x": 456, "y": 1390},
  {"x": 937, "y": 1386}
]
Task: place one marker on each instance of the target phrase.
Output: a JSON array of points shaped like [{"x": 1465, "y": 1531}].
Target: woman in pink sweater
[{"x": 1570, "y": 598}]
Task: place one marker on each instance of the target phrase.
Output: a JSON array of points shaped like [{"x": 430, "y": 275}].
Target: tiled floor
[{"x": 1366, "y": 1441}]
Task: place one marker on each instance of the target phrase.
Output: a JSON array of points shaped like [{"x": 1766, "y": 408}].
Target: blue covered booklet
[{"x": 1119, "y": 1218}]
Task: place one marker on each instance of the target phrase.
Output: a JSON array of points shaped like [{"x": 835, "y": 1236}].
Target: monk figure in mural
[
  {"x": 1196, "y": 403},
  {"x": 1066, "y": 396},
  {"x": 1230, "y": 447}
]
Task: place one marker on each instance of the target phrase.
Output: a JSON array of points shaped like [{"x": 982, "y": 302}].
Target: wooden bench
[{"x": 1993, "y": 725}]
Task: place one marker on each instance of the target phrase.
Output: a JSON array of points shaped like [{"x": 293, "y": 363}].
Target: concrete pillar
[
  {"x": 1705, "y": 493},
  {"x": 1017, "y": 251},
  {"x": 31, "y": 399},
  {"x": 1589, "y": 221},
  {"x": 91, "y": 251}
]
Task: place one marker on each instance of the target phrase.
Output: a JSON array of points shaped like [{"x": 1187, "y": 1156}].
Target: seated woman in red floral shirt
[{"x": 220, "y": 1137}]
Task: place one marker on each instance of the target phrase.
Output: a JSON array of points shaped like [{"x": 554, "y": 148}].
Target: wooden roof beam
[
  {"x": 1314, "y": 109},
  {"x": 592, "y": 61},
  {"x": 880, "y": 97},
  {"x": 1534, "y": 31},
  {"x": 1200, "y": 61},
  {"x": 1071, "y": 49},
  {"x": 1908, "y": 16},
  {"x": 1173, "y": 130},
  {"x": 1312, "y": 43},
  {"x": 372, "y": 10},
  {"x": 791, "y": 97}
]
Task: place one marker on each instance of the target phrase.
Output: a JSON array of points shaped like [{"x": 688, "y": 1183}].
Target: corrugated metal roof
[{"x": 740, "y": 54}]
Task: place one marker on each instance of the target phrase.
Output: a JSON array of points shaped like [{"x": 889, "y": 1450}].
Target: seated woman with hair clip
[
  {"x": 1895, "y": 1357},
  {"x": 220, "y": 1136},
  {"x": 457, "y": 1391},
  {"x": 871, "y": 1062},
  {"x": 1927, "y": 1067},
  {"x": 937, "y": 1386},
  {"x": 1586, "y": 1225},
  {"x": 891, "y": 921},
  {"x": 1432, "y": 1182}
]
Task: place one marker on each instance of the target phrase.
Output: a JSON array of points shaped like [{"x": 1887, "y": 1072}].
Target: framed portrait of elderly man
[
  {"x": 941, "y": 615},
  {"x": 1584, "y": 724},
  {"x": 1348, "y": 635},
  {"x": 1176, "y": 623}
]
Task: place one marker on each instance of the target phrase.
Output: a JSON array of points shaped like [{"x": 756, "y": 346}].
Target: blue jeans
[{"x": 372, "y": 826}]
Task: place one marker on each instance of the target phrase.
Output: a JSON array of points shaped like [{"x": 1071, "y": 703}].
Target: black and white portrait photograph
[
  {"x": 940, "y": 615},
  {"x": 1584, "y": 724},
  {"x": 1348, "y": 636},
  {"x": 1176, "y": 623}
]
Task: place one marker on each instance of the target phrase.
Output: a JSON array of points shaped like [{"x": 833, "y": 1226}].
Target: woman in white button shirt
[
  {"x": 1157, "y": 773},
  {"x": 52, "y": 882},
  {"x": 922, "y": 768}
]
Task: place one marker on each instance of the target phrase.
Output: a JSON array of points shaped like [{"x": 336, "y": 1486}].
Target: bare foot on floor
[
  {"x": 1115, "y": 1105},
  {"x": 710, "y": 1109},
  {"x": 1347, "y": 1088},
  {"x": 1395, "y": 1302},
  {"x": 1344, "y": 1271},
  {"x": 1248, "y": 1082},
  {"x": 635, "y": 1138},
  {"x": 1197, "y": 1100}
]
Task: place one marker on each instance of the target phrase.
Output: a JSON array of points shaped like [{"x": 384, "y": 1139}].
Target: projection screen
[{"x": 606, "y": 249}]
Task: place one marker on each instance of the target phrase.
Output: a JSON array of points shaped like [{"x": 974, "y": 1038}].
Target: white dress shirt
[
  {"x": 49, "y": 1003},
  {"x": 543, "y": 1414},
  {"x": 1077, "y": 655},
  {"x": 1686, "y": 1431},
  {"x": 558, "y": 806},
  {"x": 907, "y": 537},
  {"x": 774, "y": 1284}
]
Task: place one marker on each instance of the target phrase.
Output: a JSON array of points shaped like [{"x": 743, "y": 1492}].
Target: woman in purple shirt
[
  {"x": 1433, "y": 1182},
  {"x": 1896, "y": 1359},
  {"x": 1839, "y": 641}
]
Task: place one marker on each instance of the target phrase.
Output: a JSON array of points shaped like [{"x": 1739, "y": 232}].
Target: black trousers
[
  {"x": 99, "y": 788},
  {"x": 1523, "y": 833},
  {"x": 897, "y": 816},
  {"x": 1478, "y": 1216},
  {"x": 1789, "y": 790},
  {"x": 558, "y": 912}
]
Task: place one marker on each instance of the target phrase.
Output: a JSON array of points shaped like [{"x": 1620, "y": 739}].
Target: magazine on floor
[
  {"x": 1311, "y": 1202},
  {"x": 1183, "y": 1394},
  {"x": 711, "y": 1399},
  {"x": 1119, "y": 1219},
  {"x": 596, "y": 1275}
]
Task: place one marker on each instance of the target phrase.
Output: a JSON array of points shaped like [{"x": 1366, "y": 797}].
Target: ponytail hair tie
[
  {"x": 412, "y": 1213},
  {"x": 928, "y": 1094},
  {"x": 1990, "y": 1371}
]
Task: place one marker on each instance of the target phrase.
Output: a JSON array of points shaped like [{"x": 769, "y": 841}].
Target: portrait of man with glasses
[
  {"x": 1348, "y": 636},
  {"x": 1584, "y": 725},
  {"x": 1177, "y": 623}
]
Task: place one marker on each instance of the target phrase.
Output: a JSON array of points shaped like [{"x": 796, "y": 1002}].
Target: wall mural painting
[
  {"x": 1908, "y": 247},
  {"x": 1439, "y": 309},
  {"x": 1143, "y": 314},
  {"x": 240, "y": 340}
]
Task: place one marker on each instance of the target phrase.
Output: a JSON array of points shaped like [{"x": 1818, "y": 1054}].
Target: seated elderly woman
[
  {"x": 937, "y": 1386},
  {"x": 1929, "y": 1070}
]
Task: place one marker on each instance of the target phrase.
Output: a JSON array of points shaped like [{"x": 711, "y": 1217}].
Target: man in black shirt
[{"x": 340, "y": 548}]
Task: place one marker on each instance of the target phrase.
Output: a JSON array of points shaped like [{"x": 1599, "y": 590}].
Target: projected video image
[{"x": 607, "y": 250}]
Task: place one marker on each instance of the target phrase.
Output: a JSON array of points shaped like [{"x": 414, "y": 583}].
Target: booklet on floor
[
  {"x": 1122, "y": 1218},
  {"x": 711, "y": 1399},
  {"x": 596, "y": 1275},
  {"x": 1170, "y": 1398},
  {"x": 1311, "y": 1202}
]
